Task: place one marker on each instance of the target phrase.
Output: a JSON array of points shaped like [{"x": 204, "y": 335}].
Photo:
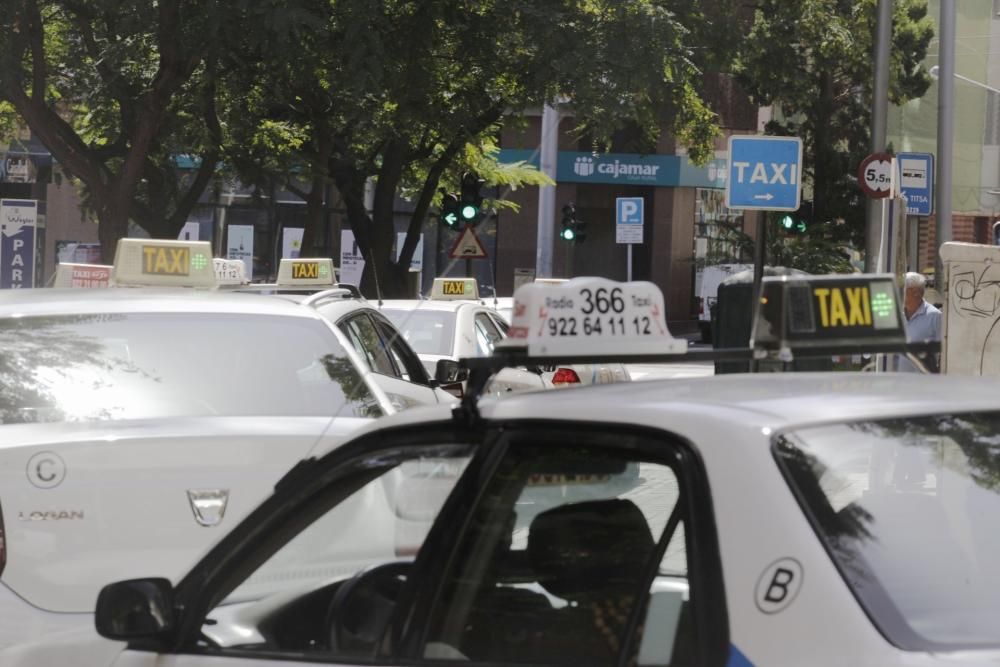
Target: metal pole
[
  {"x": 629, "y": 256},
  {"x": 880, "y": 115},
  {"x": 945, "y": 132},
  {"x": 548, "y": 159}
]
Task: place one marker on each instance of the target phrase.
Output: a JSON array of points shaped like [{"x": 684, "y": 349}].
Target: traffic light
[
  {"x": 798, "y": 221},
  {"x": 449, "y": 210},
  {"x": 568, "y": 232},
  {"x": 470, "y": 200}
]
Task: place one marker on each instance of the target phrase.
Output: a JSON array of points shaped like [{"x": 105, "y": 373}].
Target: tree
[
  {"x": 396, "y": 104},
  {"x": 812, "y": 59},
  {"x": 115, "y": 89}
]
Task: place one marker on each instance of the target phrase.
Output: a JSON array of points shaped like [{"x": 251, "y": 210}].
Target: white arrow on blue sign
[{"x": 765, "y": 173}]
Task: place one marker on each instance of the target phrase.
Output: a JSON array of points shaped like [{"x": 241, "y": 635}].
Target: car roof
[
  {"x": 50, "y": 301},
  {"x": 757, "y": 404},
  {"x": 428, "y": 304}
]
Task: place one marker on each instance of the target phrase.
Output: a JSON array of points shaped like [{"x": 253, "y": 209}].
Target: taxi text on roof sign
[
  {"x": 590, "y": 317},
  {"x": 82, "y": 275},
  {"x": 454, "y": 288},
  {"x": 164, "y": 262},
  {"x": 315, "y": 271},
  {"x": 814, "y": 311}
]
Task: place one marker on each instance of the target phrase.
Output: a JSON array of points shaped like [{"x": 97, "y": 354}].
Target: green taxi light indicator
[
  {"x": 883, "y": 305},
  {"x": 468, "y": 212},
  {"x": 198, "y": 261}
]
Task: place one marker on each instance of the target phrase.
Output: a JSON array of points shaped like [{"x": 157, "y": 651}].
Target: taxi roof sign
[
  {"x": 312, "y": 271},
  {"x": 160, "y": 262},
  {"x": 590, "y": 317},
  {"x": 450, "y": 289},
  {"x": 229, "y": 271},
  {"x": 69, "y": 274},
  {"x": 801, "y": 312}
]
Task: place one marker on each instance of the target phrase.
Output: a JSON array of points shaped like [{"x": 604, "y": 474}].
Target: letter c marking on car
[
  {"x": 778, "y": 585},
  {"x": 46, "y": 470}
]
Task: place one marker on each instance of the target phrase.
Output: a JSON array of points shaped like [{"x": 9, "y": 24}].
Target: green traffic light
[
  {"x": 787, "y": 222},
  {"x": 450, "y": 219},
  {"x": 567, "y": 234},
  {"x": 468, "y": 212},
  {"x": 801, "y": 227}
]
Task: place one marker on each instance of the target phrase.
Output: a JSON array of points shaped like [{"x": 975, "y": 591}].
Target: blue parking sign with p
[{"x": 629, "y": 210}]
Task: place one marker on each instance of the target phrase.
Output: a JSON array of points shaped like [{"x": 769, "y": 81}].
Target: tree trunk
[{"x": 316, "y": 204}]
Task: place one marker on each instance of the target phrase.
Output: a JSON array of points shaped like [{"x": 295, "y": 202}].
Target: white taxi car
[
  {"x": 456, "y": 324},
  {"x": 393, "y": 364},
  {"x": 137, "y": 425},
  {"x": 807, "y": 519}
]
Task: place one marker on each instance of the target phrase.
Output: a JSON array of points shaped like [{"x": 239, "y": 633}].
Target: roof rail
[{"x": 328, "y": 294}]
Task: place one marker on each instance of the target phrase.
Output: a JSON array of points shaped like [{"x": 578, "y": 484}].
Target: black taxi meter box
[{"x": 816, "y": 313}]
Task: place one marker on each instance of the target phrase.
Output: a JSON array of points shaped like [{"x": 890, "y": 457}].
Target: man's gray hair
[{"x": 915, "y": 280}]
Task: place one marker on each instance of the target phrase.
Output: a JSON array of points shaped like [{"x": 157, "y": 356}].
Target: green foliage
[{"x": 812, "y": 59}]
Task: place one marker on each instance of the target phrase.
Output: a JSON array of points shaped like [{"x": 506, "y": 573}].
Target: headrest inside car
[{"x": 590, "y": 549}]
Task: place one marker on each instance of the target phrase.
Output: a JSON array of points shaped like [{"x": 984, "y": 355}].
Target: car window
[
  {"x": 310, "y": 596},
  {"x": 136, "y": 366},
  {"x": 571, "y": 553},
  {"x": 365, "y": 338},
  {"x": 427, "y": 331},
  {"x": 901, "y": 505},
  {"x": 487, "y": 334},
  {"x": 406, "y": 360}
]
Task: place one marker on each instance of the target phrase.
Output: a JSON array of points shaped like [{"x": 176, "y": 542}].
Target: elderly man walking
[{"x": 923, "y": 320}]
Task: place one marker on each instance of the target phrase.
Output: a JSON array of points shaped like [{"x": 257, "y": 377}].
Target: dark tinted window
[
  {"x": 133, "y": 366},
  {"x": 908, "y": 509}
]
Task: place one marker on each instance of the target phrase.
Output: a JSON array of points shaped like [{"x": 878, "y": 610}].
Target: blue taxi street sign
[
  {"x": 629, "y": 213},
  {"x": 765, "y": 173},
  {"x": 916, "y": 182}
]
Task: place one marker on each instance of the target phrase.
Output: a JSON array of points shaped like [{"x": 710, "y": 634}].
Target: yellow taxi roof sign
[
  {"x": 69, "y": 274},
  {"x": 311, "y": 271},
  {"x": 797, "y": 312},
  {"x": 451, "y": 289},
  {"x": 161, "y": 262}
]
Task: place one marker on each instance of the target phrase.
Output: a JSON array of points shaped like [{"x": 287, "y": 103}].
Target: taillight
[
  {"x": 3, "y": 544},
  {"x": 565, "y": 376}
]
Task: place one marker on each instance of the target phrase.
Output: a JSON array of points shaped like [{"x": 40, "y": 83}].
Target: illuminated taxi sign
[
  {"x": 454, "y": 288},
  {"x": 590, "y": 317},
  {"x": 229, "y": 271},
  {"x": 157, "y": 262},
  {"x": 82, "y": 275},
  {"x": 312, "y": 272},
  {"x": 813, "y": 311}
]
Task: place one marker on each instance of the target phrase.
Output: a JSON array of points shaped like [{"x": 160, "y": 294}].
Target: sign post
[
  {"x": 18, "y": 218},
  {"x": 629, "y": 218}
]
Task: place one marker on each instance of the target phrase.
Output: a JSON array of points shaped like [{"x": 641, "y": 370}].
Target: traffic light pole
[
  {"x": 547, "y": 193},
  {"x": 879, "y": 125}
]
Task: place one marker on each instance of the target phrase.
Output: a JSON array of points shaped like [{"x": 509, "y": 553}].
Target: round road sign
[{"x": 875, "y": 175}]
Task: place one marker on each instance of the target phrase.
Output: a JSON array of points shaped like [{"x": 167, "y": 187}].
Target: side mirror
[
  {"x": 135, "y": 609},
  {"x": 448, "y": 372}
]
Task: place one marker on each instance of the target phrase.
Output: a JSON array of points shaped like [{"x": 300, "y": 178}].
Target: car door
[
  {"x": 382, "y": 354},
  {"x": 538, "y": 543}
]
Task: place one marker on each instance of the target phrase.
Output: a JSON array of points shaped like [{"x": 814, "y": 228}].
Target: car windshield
[
  {"x": 906, "y": 508},
  {"x": 427, "y": 331},
  {"x": 135, "y": 366}
]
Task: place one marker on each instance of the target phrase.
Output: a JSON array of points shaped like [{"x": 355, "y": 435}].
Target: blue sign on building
[
  {"x": 17, "y": 242},
  {"x": 765, "y": 173},
  {"x": 627, "y": 168},
  {"x": 916, "y": 182}
]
